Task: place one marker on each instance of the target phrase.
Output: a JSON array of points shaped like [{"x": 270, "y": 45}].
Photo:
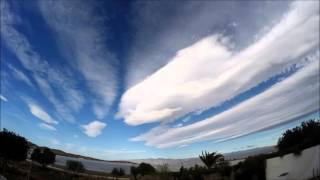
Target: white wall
[{"x": 297, "y": 167}]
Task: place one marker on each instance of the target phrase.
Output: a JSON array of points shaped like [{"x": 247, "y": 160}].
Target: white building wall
[{"x": 292, "y": 167}]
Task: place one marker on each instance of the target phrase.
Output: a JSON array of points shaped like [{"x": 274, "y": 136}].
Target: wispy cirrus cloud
[
  {"x": 270, "y": 108},
  {"x": 209, "y": 72},
  {"x": 47, "y": 127},
  {"x": 84, "y": 37},
  {"x": 21, "y": 76},
  {"x": 47, "y": 90},
  {"x": 123, "y": 152},
  {"x": 94, "y": 128},
  {"x": 3, "y": 98},
  {"x": 46, "y": 76}
]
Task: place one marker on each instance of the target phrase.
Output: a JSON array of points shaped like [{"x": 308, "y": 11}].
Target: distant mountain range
[
  {"x": 174, "y": 164},
  {"x": 233, "y": 157}
]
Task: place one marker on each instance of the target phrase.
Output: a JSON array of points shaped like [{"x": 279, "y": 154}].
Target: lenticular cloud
[{"x": 208, "y": 72}]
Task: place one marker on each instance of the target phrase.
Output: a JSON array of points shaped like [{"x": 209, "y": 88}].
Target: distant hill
[
  {"x": 175, "y": 164},
  {"x": 66, "y": 154},
  {"x": 249, "y": 152}
]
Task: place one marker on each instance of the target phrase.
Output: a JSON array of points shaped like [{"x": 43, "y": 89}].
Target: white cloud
[
  {"x": 45, "y": 75},
  {"x": 3, "y": 98},
  {"x": 187, "y": 119},
  {"x": 161, "y": 29},
  {"x": 54, "y": 142},
  {"x": 94, "y": 128},
  {"x": 47, "y": 127},
  {"x": 123, "y": 152},
  {"x": 178, "y": 125},
  {"x": 209, "y": 73},
  {"x": 41, "y": 114},
  {"x": 82, "y": 40},
  {"x": 60, "y": 107},
  {"x": 21, "y": 76},
  {"x": 286, "y": 100},
  {"x": 69, "y": 146}
]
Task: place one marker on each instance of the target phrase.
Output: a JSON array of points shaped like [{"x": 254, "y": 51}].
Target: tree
[
  {"x": 145, "y": 169},
  {"x": 12, "y": 147},
  {"x": 134, "y": 172},
  {"x": 75, "y": 166},
  {"x": 36, "y": 155},
  {"x": 164, "y": 171},
  {"x": 44, "y": 156},
  {"x": 251, "y": 168},
  {"x": 211, "y": 159},
  {"x": 142, "y": 169},
  {"x": 49, "y": 157},
  {"x": 300, "y": 137},
  {"x": 121, "y": 172},
  {"x": 117, "y": 172},
  {"x": 114, "y": 172}
]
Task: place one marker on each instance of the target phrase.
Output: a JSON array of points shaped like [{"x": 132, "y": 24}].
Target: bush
[
  {"x": 145, "y": 169},
  {"x": 250, "y": 169},
  {"x": 44, "y": 156},
  {"x": 164, "y": 172},
  {"x": 117, "y": 172},
  {"x": 142, "y": 169},
  {"x": 75, "y": 166}
]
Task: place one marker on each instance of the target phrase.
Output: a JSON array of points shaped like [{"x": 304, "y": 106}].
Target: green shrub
[{"x": 75, "y": 166}]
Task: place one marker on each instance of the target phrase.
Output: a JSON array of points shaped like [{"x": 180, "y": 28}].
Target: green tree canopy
[
  {"x": 300, "y": 137},
  {"x": 142, "y": 169},
  {"x": 145, "y": 169},
  {"x": 75, "y": 166},
  {"x": 43, "y": 156},
  {"x": 12, "y": 146}
]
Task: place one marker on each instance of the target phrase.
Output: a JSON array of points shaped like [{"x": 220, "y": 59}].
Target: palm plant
[{"x": 211, "y": 159}]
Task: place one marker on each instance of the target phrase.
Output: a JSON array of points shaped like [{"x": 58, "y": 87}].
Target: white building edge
[{"x": 295, "y": 167}]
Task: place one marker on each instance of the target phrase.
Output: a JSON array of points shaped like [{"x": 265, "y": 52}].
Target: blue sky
[{"x": 149, "y": 79}]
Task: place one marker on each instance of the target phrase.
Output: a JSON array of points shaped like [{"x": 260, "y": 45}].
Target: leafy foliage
[
  {"x": 44, "y": 156},
  {"x": 75, "y": 166},
  {"x": 134, "y": 172},
  {"x": 142, "y": 169},
  {"x": 250, "y": 169},
  {"x": 211, "y": 159},
  {"x": 301, "y": 137},
  {"x": 164, "y": 172},
  {"x": 117, "y": 172},
  {"x": 12, "y": 146}
]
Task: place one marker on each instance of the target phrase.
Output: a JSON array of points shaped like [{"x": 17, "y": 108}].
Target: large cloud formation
[
  {"x": 208, "y": 72},
  {"x": 276, "y": 105}
]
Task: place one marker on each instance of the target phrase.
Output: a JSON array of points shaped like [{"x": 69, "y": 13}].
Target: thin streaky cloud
[
  {"x": 44, "y": 75},
  {"x": 21, "y": 76},
  {"x": 3, "y": 98},
  {"x": 70, "y": 21},
  {"x": 47, "y": 127}
]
